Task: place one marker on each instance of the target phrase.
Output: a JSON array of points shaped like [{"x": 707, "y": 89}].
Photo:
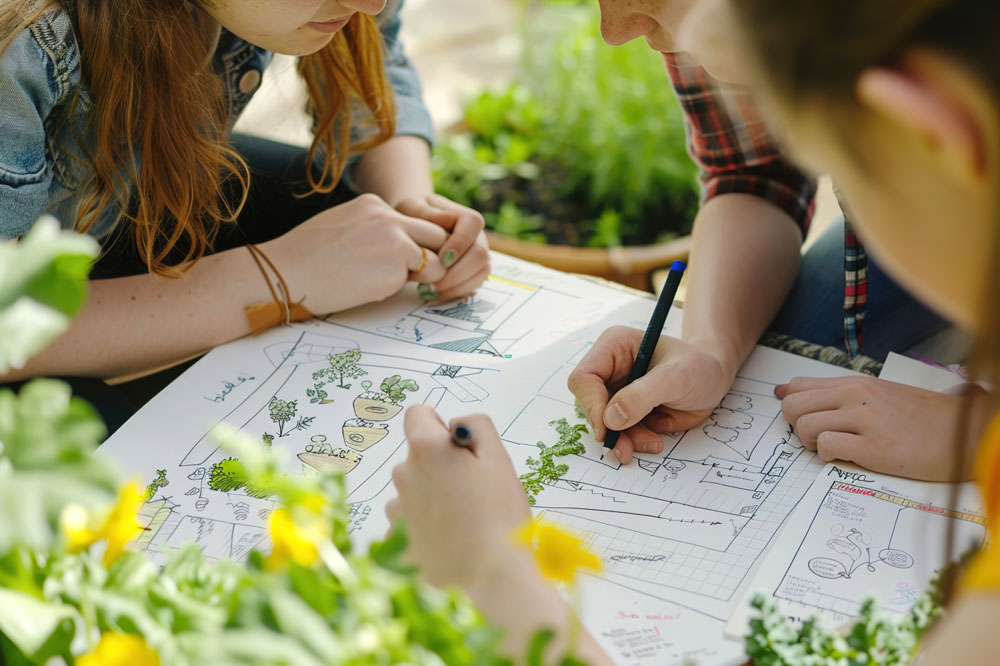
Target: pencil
[
  {"x": 652, "y": 336},
  {"x": 461, "y": 435}
]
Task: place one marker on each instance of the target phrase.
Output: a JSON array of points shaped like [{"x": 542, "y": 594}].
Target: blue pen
[{"x": 652, "y": 335}]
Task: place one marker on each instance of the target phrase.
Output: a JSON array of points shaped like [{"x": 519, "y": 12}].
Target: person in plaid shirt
[{"x": 747, "y": 275}]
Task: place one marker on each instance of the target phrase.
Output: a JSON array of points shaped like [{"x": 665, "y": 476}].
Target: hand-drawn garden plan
[{"x": 680, "y": 533}]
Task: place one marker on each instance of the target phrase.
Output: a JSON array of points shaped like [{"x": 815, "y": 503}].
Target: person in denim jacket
[{"x": 116, "y": 117}]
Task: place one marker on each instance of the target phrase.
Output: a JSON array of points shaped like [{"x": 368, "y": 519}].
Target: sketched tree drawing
[
  {"x": 159, "y": 482},
  {"x": 342, "y": 366},
  {"x": 284, "y": 411}
]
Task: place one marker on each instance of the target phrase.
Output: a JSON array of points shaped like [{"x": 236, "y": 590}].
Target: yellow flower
[
  {"x": 119, "y": 527},
  {"x": 560, "y": 555},
  {"x": 293, "y": 541},
  {"x": 116, "y": 649}
]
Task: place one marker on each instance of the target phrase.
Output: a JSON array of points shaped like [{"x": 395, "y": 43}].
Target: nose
[
  {"x": 364, "y": 6},
  {"x": 620, "y": 23}
]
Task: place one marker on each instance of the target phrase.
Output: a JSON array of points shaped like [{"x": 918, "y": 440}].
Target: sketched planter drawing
[
  {"x": 360, "y": 434},
  {"x": 340, "y": 460},
  {"x": 375, "y": 410}
]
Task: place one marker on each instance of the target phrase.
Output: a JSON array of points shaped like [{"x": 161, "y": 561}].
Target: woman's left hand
[{"x": 466, "y": 253}]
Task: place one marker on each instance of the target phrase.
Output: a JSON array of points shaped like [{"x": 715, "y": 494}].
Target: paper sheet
[
  {"x": 857, "y": 534},
  {"x": 680, "y": 533}
]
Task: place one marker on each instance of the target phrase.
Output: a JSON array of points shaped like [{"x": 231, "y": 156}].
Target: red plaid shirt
[{"x": 736, "y": 154}]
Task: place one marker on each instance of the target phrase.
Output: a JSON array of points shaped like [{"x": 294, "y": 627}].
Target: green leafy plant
[
  {"x": 282, "y": 411},
  {"x": 875, "y": 638},
  {"x": 394, "y": 388},
  {"x": 230, "y": 475},
  {"x": 590, "y": 138},
  {"x": 544, "y": 469}
]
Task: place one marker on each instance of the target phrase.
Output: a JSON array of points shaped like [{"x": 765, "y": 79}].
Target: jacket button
[{"x": 249, "y": 81}]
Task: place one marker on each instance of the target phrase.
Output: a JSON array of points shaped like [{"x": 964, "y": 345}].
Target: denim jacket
[{"x": 40, "y": 171}]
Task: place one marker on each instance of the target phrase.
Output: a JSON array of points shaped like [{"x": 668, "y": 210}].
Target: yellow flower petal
[
  {"x": 116, "y": 649},
  {"x": 560, "y": 555},
  {"x": 74, "y": 523},
  {"x": 122, "y": 525},
  {"x": 292, "y": 542}
]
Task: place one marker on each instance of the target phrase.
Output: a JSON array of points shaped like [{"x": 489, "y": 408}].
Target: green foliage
[
  {"x": 54, "y": 605},
  {"x": 159, "y": 482},
  {"x": 43, "y": 282},
  {"x": 282, "y": 412},
  {"x": 875, "y": 639},
  {"x": 394, "y": 387},
  {"x": 544, "y": 469},
  {"x": 230, "y": 475},
  {"x": 512, "y": 221},
  {"x": 342, "y": 366},
  {"x": 600, "y": 126}
]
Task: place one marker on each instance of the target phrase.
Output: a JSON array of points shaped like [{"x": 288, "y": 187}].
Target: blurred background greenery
[{"x": 586, "y": 147}]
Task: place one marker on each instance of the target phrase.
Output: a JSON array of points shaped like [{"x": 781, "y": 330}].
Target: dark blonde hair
[{"x": 148, "y": 65}]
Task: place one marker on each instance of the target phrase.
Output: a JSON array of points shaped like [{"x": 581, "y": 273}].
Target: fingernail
[
  {"x": 618, "y": 454},
  {"x": 781, "y": 391},
  {"x": 448, "y": 258},
  {"x": 426, "y": 292},
  {"x": 614, "y": 416}
]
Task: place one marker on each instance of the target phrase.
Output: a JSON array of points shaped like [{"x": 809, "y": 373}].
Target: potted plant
[
  {"x": 361, "y": 435},
  {"x": 581, "y": 164},
  {"x": 321, "y": 456},
  {"x": 376, "y": 406}
]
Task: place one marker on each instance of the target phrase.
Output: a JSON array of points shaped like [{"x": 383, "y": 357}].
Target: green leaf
[
  {"x": 38, "y": 629},
  {"x": 389, "y": 552}
]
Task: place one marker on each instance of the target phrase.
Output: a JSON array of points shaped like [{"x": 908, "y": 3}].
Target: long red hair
[{"x": 158, "y": 134}]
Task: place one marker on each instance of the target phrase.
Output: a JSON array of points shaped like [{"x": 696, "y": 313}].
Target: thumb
[{"x": 634, "y": 402}]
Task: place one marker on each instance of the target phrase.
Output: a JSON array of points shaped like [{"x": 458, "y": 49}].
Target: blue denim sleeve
[
  {"x": 412, "y": 117},
  {"x": 28, "y": 94}
]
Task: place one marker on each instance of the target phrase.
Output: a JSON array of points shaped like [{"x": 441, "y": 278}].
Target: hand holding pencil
[{"x": 684, "y": 382}]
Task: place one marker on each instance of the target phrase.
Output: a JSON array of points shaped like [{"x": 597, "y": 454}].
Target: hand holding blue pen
[{"x": 652, "y": 336}]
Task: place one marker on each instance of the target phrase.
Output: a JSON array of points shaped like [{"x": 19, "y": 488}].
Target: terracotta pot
[
  {"x": 375, "y": 410},
  {"x": 632, "y": 266}
]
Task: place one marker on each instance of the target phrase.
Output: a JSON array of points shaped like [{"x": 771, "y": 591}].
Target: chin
[{"x": 300, "y": 47}]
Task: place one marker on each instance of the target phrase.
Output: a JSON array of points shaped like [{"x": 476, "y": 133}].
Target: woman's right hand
[
  {"x": 355, "y": 253},
  {"x": 685, "y": 382}
]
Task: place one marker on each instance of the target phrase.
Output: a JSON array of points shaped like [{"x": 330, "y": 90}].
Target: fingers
[
  {"x": 607, "y": 362},
  {"x": 465, "y": 288},
  {"x": 474, "y": 261},
  {"x": 662, "y": 385},
  {"x": 466, "y": 226},
  {"x": 809, "y": 426},
  {"x": 424, "y": 233},
  {"x": 423, "y": 265},
  {"x": 799, "y": 384},
  {"x": 394, "y": 510},
  {"x": 624, "y": 449},
  {"x": 832, "y": 445},
  {"x": 484, "y": 439},
  {"x": 645, "y": 440},
  {"x": 425, "y": 431},
  {"x": 796, "y": 405}
]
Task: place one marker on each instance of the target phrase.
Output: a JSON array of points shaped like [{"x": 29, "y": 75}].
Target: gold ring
[{"x": 423, "y": 262}]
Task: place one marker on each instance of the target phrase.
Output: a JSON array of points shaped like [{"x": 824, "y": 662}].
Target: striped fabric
[{"x": 736, "y": 154}]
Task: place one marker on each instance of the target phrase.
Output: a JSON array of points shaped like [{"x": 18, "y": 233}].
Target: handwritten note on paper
[{"x": 858, "y": 534}]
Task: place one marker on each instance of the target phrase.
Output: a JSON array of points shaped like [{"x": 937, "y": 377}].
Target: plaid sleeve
[{"x": 731, "y": 145}]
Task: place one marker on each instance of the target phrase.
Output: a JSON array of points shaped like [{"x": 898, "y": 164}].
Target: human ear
[{"x": 940, "y": 104}]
